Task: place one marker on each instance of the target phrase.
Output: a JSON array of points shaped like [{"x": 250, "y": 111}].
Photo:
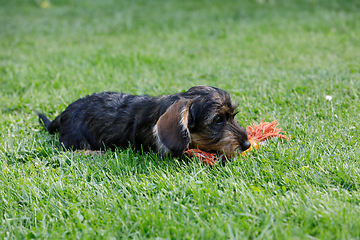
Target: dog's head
[{"x": 203, "y": 118}]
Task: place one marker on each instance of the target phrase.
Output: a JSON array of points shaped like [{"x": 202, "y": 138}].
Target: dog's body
[{"x": 202, "y": 117}]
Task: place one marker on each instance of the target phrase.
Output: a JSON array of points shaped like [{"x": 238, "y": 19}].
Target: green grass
[{"x": 278, "y": 59}]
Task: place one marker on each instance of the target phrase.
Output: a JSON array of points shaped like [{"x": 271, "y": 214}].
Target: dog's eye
[{"x": 218, "y": 119}]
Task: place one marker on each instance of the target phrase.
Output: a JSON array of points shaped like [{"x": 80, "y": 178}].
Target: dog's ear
[{"x": 171, "y": 130}]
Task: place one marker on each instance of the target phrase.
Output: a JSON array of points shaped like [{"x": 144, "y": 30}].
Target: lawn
[{"x": 278, "y": 59}]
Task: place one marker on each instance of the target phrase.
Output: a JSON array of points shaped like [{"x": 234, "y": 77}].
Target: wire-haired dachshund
[{"x": 202, "y": 117}]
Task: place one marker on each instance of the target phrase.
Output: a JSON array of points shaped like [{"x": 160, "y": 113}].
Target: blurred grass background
[{"x": 278, "y": 59}]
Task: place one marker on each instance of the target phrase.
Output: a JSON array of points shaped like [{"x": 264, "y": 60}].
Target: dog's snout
[{"x": 245, "y": 145}]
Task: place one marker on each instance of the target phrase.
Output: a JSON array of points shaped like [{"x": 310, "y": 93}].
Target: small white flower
[{"x": 328, "y": 97}]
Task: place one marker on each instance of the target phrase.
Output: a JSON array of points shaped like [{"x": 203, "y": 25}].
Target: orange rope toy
[{"x": 256, "y": 134}]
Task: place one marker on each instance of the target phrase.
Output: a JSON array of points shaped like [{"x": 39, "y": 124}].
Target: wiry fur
[{"x": 202, "y": 117}]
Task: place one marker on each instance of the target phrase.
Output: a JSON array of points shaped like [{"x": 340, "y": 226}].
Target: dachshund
[{"x": 202, "y": 117}]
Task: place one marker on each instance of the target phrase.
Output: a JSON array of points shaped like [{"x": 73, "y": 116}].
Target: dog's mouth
[
  {"x": 224, "y": 150},
  {"x": 231, "y": 155},
  {"x": 224, "y": 153},
  {"x": 227, "y": 156}
]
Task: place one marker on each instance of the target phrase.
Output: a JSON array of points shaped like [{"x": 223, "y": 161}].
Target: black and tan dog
[{"x": 202, "y": 117}]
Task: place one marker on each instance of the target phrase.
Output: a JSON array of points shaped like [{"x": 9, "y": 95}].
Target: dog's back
[{"x": 102, "y": 119}]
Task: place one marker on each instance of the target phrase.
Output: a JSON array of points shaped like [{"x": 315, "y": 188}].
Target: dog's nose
[{"x": 245, "y": 145}]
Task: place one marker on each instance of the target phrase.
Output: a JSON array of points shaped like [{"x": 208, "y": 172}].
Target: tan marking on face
[
  {"x": 227, "y": 145},
  {"x": 221, "y": 110}
]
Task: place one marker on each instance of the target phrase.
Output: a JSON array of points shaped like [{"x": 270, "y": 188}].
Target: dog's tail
[{"x": 51, "y": 126}]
